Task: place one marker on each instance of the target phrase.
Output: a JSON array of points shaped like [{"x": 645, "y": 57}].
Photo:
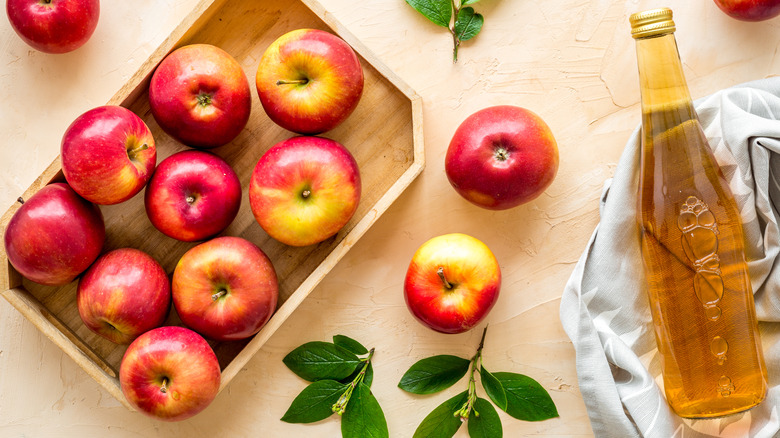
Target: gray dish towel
[{"x": 605, "y": 309}]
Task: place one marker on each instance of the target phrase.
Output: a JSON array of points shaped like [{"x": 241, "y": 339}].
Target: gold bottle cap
[{"x": 651, "y": 23}]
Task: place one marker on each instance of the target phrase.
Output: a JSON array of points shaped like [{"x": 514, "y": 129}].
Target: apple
[
  {"x": 225, "y": 289},
  {"x": 750, "y": 10},
  {"x": 192, "y": 195},
  {"x": 123, "y": 294},
  {"x": 501, "y": 156},
  {"x": 54, "y": 236},
  {"x": 54, "y": 26},
  {"x": 200, "y": 96},
  {"x": 452, "y": 283},
  {"x": 169, "y": 373},
  {"x": 309, "y": 81},
  {"x": 304, "y": 190},
  {"x": 108, "y": 154}
]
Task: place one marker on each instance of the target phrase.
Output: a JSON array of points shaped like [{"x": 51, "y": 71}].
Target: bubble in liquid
[
  {"x": 708, "y": 287},
  {"x": 725, "y": 386},
  {"x": 713, "y": 313},
  {"x": 719, "y": 347}
]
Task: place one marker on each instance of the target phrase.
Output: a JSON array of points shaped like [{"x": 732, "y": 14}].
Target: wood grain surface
[{"x": 571, "y": 62}]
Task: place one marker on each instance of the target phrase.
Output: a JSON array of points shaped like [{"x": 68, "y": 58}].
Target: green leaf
[
  {"x": 468, "y": 24},
  {"x": 350, "y": 344},
  {"x": 315, "y": 402},
  {"x": 493, "y": 388},
  {"x": 468, "y": 2},
  {"x": 442, "y": 422},
  {"x": 368, "y": 378},
  {"x": 434, "y": 374},
  {"x": 321, "y": 360},
  {"x": 363, "y": 417},
  {"x": 526, "y": 398},
  {"x": 487, "y": 424},
  {"x": 438, "y": 11}
]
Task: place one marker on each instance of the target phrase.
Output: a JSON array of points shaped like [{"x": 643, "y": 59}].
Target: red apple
[
  {"x": 108, "y": 154},
  {"x": 225, "y": 289},
  {"x": 501, "y": 157},
  {"x": 309, "y": 81},
  {"x": 452, "y": 283},
  {"x": 750, "y": 10},
  {"x": 123, "y": 294},
  {"x": 54, "y": 236},
  {"x": 192, "y": 195},
  {"x": 304, "y": 190},
  {"x": 54, "y": 26},
  {"x": 169, "y": 373},
  {"x": 200, "y": 96}
]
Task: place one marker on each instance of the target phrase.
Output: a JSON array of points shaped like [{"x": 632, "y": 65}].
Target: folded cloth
[{"x": 605, "y": 309}]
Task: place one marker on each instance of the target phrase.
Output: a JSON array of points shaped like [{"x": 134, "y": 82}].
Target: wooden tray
[{"x": 384, "y": 134}]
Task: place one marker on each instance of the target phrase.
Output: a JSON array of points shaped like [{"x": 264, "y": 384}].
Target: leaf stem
[
  {"x": 455, "y": 40},
  {"x": 341, "y": 405},
  {"x": 476, "y": 363}
]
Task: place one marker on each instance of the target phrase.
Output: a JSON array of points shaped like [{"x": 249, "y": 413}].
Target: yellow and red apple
[
  {"x": 108, "y": 154},
  {"x": 54, "y": 26},
  {"x": 54, "y": 236},
  {"x": 304, "y": 190},
  {"x": 225, "y": 289},
  {"x": 192, "y": 195},
  {"x": 452, "y": 282},
  {"x": 501, "y": 157},
  {"x": 200, "y": 96},
  {"x": 124, "y": 294},
  {"x": 169, "y": 373},
  {"x": 309, "y": 81}
]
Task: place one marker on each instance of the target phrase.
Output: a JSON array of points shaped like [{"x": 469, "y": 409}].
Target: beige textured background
[{"x": 570, "y": 61}]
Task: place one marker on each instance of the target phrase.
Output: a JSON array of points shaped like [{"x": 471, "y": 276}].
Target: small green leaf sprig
[
  {"x": 519, "y": 396},
  {"x": 460, "y": 19},
  {"x": 341, "y": 383}
]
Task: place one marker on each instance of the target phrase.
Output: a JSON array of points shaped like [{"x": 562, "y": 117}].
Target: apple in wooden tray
[
  {"x": 192, "y": 195},
  {"x": 108, "y": 154},
  {"x": 750, "y": 10},
  {"x": 309, "y": 81},
  {"x": 452, "y": 283},
  {"x": 304, "y": 190},
  {"x": 54, "y": 236},
  {"x": 225, "y": 289},
  {"x": 501, "y": 157},
  {"x": 170, "y": 373},
  {"x": 54, "y": 26},
  {"x": 200, "y": 96},
  {"x": 124, "y": 294}
]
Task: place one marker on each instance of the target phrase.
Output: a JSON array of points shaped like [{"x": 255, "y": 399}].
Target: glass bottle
[{"x": 700, "y": 294}]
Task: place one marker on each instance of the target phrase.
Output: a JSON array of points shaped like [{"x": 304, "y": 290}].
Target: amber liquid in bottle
[{"x": 693, "y": 249}]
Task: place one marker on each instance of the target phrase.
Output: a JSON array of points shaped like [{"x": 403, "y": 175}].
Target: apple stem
[
  {"x": 190, "y": 199},
  {"x": 455, "y": 39},
  {"x": 292, "y": 82},
  {"x": 447, "y": 284},
  {"x": 219, "y": 294},
  {"x": 476, "y": 363},
  {"x": 164, "y": 387},
  {"x": 306, "y": 193},
  {"x": 132, "y": 152}
]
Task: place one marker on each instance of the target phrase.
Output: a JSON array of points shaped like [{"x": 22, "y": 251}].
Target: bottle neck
[{"x": 661, "y": 79}]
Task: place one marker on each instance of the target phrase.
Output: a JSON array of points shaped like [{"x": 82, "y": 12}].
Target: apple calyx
[
  {"x": 501, "y": 153},
  {"x": 446, "y": 283},
  {"x": 191, "y": 199},
  {"x": 204, "y": 99}
]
